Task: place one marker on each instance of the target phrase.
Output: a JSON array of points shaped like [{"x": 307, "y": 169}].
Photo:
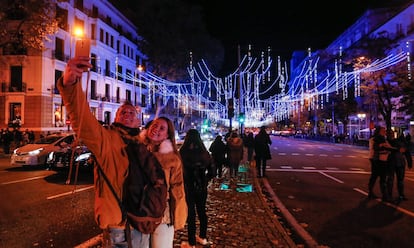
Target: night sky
[{"x": 288, "y": 26}]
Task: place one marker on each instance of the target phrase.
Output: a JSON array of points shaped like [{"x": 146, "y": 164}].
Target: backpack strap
[{"x": 121, "y": 206}]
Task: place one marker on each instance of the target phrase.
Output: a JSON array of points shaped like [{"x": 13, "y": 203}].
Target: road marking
[
  {"x": 24, "y": 180},
  {"x": 69, "y": 193},
  {"x": 309, "y": 168},
  {"x": 323, "y": 155},
  {"x": 310, "y": 154},
  {"x": 281, "y": 153},
  {"x": 403, "y": 210},
  {"x": 331, "y": 177}
]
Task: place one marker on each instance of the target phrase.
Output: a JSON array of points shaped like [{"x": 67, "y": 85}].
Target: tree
[
  {"x": 378, "y": 87},
  {"x": 171, "y": 30},
  {"x": 29, "y": 22}
]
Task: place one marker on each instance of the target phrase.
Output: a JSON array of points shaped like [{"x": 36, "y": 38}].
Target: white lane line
[
  {"x": 308, "y": 167},
  {"x": 310, "y": 154},
  {"x": 24, "y": 180},
  {"x": 323, "y": 155},
  {"x": 332, "y": 168},
  {"x": 69, "y": 193},
  {"x": 403, "y": 210},
  {"x": 295, "y": 154},
  {"x": 331, "y": 177},
  {"x": 281, "y": 153}
]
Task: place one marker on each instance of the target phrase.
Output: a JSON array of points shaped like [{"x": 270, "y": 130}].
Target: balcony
[{"x": 7, "y": 87}]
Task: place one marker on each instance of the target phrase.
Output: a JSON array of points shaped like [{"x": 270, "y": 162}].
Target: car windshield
[{"x": 48, "y": 140}]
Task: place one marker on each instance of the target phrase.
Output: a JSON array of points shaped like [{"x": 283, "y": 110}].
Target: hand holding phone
[{"x": 83, "y": 48}]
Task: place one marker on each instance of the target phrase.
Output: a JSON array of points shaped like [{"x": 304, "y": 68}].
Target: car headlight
[
  {"x": 83, "y": 156},
  {"x": 35, "y": 152}
]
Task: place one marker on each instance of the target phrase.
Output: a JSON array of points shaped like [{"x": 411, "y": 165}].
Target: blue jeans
[{"x": 115, "y": 237}]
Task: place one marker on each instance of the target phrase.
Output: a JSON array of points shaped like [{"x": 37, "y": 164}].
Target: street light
[{"x": 361, "y": 117}]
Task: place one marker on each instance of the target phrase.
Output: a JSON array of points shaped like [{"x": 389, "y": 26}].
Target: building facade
[{"x": 29, "y": 97}]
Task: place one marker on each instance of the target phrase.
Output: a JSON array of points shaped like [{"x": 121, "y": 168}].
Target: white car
[{"x": 36, "y": 154}]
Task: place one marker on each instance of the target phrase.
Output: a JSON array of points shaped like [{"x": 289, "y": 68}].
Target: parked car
[
  {"x": 77, "y": 154},
  {"x": 37, "y": 154}
]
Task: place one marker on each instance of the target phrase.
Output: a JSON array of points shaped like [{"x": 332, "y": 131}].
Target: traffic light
[
  {"x": 230, "y": 109},
  {"x": 241, "y": 118}
]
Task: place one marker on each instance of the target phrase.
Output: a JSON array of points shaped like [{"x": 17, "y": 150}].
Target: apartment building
[
  {"x": 29, "y": 96},
  {"x": 397, "y": 24}
]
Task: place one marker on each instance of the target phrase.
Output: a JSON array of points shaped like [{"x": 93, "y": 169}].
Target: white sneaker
[{"x": 201, "y": 241}]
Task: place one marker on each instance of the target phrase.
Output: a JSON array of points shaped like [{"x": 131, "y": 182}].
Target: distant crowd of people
[{"x": 14, "y": 138}]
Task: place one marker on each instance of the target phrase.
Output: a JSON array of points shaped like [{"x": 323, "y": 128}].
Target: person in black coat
[
  {"x": 218, "y": 152},
  {"x": 262, "y": 150},
  {"x": 198, "y": 171},
  {"x": 249, "y": 144}
]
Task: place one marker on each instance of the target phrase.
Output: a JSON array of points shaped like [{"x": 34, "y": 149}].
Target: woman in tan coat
[{"x": 160, "y": 140}]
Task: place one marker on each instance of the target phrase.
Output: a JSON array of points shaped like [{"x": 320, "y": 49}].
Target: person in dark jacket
[
  {"x": 198, "y": 171},
  {"x": 249, "y": 144},
  {"x": 218, "y": 152},
  {"x": 382, "y": 149},
  {"x": 396, "y": 167},
  {"x": 262, "y": 150}
]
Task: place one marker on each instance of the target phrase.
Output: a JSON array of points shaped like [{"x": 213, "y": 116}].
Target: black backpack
[
  {"x": 145, "y": 197},
  {"x": 145, "y": 189}
]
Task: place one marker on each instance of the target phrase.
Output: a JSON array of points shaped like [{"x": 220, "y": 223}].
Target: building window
[
  {"x": 59, "y": 49},
  {"x": 128, "y": 95},
  {"x": 118, "y": 96},
  {"x": 16, "y": 78},
  {"x": 107, "y": 92},
  {"x": 58, "y": 74},
  {"x": 15, "y": 114},
  {"x": 93, "y": 90}
]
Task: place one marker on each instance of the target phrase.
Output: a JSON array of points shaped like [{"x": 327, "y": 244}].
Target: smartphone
[{"x": 83, "y": 48}]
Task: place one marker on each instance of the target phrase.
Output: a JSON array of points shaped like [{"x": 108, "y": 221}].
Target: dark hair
[{"x": 193, "y": 137}]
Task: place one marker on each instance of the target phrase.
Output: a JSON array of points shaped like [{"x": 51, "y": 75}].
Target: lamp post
[{"x": 139, "y": 68}]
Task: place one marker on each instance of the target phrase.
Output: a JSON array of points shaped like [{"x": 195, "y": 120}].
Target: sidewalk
[
  {"x": 240, "y": 219},
  {"x": 236, "y": 219}
]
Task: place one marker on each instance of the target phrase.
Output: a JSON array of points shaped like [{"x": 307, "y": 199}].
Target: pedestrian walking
[
  {"x": 249, "y": 144},
  {"x": 198, "y": 171},
  {"x": 218, "y": 152},
  {"x": 262, "y": 150},
  {"x": 234, "y": 153}
]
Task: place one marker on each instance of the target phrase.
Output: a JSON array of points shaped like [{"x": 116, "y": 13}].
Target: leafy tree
[
  {"x": 406, "y": 81},
  {"x": 29, "y": 22},
  {"x": 379, "y": 87},
  {"x": 171, "y": 30}
]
